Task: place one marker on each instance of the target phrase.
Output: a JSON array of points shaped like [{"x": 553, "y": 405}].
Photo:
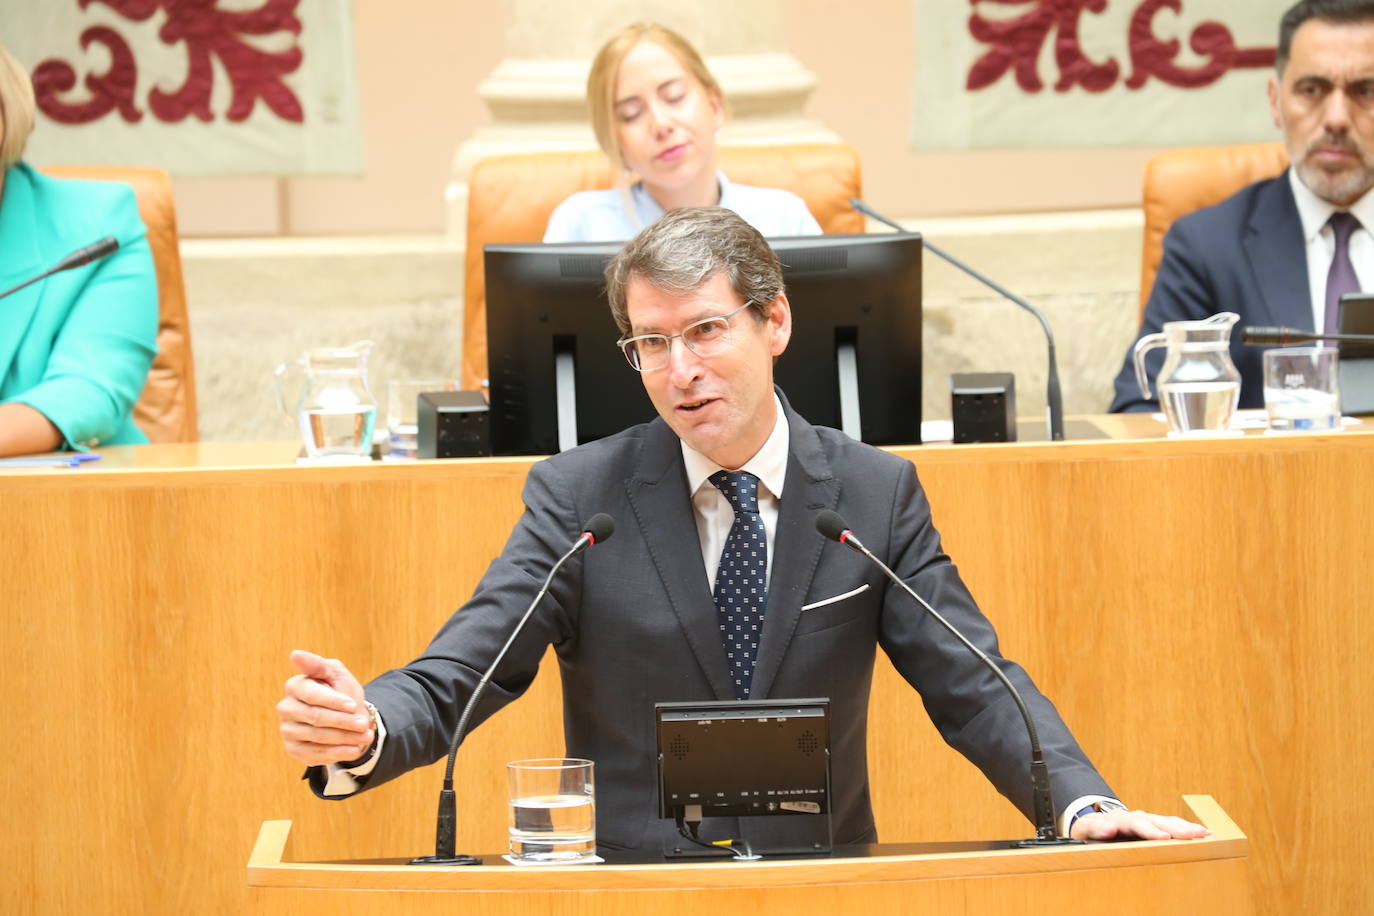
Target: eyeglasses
[{"x": 707, "y": 337}]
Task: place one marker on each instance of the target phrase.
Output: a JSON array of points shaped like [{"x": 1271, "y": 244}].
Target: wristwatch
[
  {"x": 372, "y": 748},
  {"x": 1100, "y": 807}
]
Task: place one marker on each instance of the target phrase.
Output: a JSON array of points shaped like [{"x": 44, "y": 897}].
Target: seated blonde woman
[{"x": 655, "y": 110}]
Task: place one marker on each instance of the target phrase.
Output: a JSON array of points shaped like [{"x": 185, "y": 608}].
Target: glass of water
[
  {"x": 1302, "y": 389},
  {"x": 552, "y": 809},
  {"x": 402, "y": 398}
]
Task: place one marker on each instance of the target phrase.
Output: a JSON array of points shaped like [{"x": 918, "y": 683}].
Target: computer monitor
[{"x": 558, "y": 380}]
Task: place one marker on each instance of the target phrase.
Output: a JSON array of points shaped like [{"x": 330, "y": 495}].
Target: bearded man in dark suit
[{"x": 1283, "y": 251}]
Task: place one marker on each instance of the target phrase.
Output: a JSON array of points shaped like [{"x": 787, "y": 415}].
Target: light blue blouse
[{"x": 599, "y": 216}]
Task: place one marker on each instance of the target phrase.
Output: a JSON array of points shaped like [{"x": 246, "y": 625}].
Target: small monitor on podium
[
  {"x": 557, "y": 378},
  {"x": 745, "y": 758}
]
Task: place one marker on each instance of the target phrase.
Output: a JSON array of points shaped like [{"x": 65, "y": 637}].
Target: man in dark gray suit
[
  {"x": 1283, "y": 251},
  {"x": 723, "y": 488}
]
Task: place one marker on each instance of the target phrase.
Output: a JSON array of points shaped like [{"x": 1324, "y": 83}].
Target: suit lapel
[
  {"x": 21, "y": 259},
  {"x": 663, "y": 510},
  {"x": 1277, "y": 254},
  {"x": 808, "y": 488}
]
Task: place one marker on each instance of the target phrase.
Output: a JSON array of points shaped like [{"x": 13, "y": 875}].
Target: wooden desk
[
  {"x": 1146, "y": 878},
  {"x": 1194, "y": 608}
]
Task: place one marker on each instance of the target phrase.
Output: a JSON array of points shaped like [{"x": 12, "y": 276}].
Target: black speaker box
[
  {"x": 983, "y": 406},
  {"x": 453, "y": 424}
]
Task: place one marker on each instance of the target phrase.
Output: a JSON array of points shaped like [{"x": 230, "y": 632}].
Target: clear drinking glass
[
  {"x": 1302, "y": 389},
  {"x": 552, "y": 809},
  {"x": 402, "y": 396}
]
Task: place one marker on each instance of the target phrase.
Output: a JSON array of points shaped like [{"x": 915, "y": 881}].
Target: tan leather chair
[
  {"x": 1180, "y": 181},
  {"x": 166, "y": 409},
  {"x": 510, "y": 199}
]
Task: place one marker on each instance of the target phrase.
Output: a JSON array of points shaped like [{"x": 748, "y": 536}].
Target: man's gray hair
[
  {"x": 1336, "y": 12},
  {"x": 686, "y": 248}
]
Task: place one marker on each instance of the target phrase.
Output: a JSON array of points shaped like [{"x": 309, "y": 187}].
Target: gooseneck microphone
[
  {"x": 79, "y": 258},
  {"x": 1282, "y": 337},
  {"x": 833, "y": 526},
  {"x": 597, "y": 529},
  {"x": 1054, "y": 398}
]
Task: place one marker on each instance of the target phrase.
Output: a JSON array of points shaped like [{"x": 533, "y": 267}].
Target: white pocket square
[{"x": 824, "y": 601}]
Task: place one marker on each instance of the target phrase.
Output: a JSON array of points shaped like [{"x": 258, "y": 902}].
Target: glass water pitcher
[
  {"x": 333, "y": 404},
  {"x": 1198, "y": 384}
]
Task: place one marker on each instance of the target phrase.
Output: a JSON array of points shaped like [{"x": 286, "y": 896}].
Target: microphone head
[
  {"x": 831, "y": 524},
  {"x": 1263, "y": 336},
  {"x": 600, "y": 526},
  {"x": 103, "y": 247},
  {"x": 92, "y": 252}
]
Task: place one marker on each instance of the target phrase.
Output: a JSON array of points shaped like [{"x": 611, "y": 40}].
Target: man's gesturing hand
[{"x": 323, "y": 716}]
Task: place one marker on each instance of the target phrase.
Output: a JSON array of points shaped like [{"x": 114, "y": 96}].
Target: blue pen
[{"x": 76, "y": 459}]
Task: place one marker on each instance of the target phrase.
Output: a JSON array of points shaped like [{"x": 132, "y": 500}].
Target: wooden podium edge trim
[
  {"x": 269, "y": 850},
  {"x": 267, "y": 868},
  {"x": 1211, "y": 815}
]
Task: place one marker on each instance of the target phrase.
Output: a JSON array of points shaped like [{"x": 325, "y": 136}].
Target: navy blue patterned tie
[{"x": 742, "y": 577}]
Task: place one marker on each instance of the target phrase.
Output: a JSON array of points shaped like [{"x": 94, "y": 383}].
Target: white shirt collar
[
  {"x": 1314, "y": 212},
  {"x": 769, "y": 464},
  {"x": 727, "y": 194}
]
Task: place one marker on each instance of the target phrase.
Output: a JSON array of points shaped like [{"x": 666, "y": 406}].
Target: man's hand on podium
[
  {"x": 1125, "y": 825},
  {"x": 324, "y": 716}
]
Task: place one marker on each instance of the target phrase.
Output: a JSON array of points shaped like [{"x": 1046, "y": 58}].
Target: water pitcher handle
[
  {"x": 1142, "y": 346},
  {"x": 278, "y": 382}
]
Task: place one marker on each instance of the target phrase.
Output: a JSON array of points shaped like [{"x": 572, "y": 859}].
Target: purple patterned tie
[
  {"x": 1341, "y": 278},
  {"x": 742, "y": 577}
]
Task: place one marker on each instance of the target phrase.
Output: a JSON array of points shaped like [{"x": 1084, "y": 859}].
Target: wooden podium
[
  {"x": 1155, "y": 877},
  {"x": 1194, "y": 608}
]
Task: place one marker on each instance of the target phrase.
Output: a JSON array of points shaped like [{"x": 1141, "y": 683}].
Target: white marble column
[{"x": 536, "y": 93}]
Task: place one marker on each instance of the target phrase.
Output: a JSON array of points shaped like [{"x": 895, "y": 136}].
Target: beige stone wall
[
  {"x": 257, "y": 303},
  {"x": 1080, "y": 269}
]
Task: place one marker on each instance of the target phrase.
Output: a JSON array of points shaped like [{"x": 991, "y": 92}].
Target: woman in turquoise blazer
[{"x": 75, "y": 348}]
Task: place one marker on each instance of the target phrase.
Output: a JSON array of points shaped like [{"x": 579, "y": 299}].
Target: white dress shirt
[
  {"x": 712, "y": 510},
  {"x": 1320, "y": 242}
]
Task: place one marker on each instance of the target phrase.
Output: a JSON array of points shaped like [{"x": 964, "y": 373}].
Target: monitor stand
[
  {"x": 565, "y": 393},
  {"x": 847, "y": 370},
  {"x": 683, "y": 848}
]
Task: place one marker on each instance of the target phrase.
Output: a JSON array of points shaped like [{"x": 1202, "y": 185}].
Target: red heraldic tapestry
[
  {"x": 1063, "y": 73},
  {"x": 198, "y": 87}
]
